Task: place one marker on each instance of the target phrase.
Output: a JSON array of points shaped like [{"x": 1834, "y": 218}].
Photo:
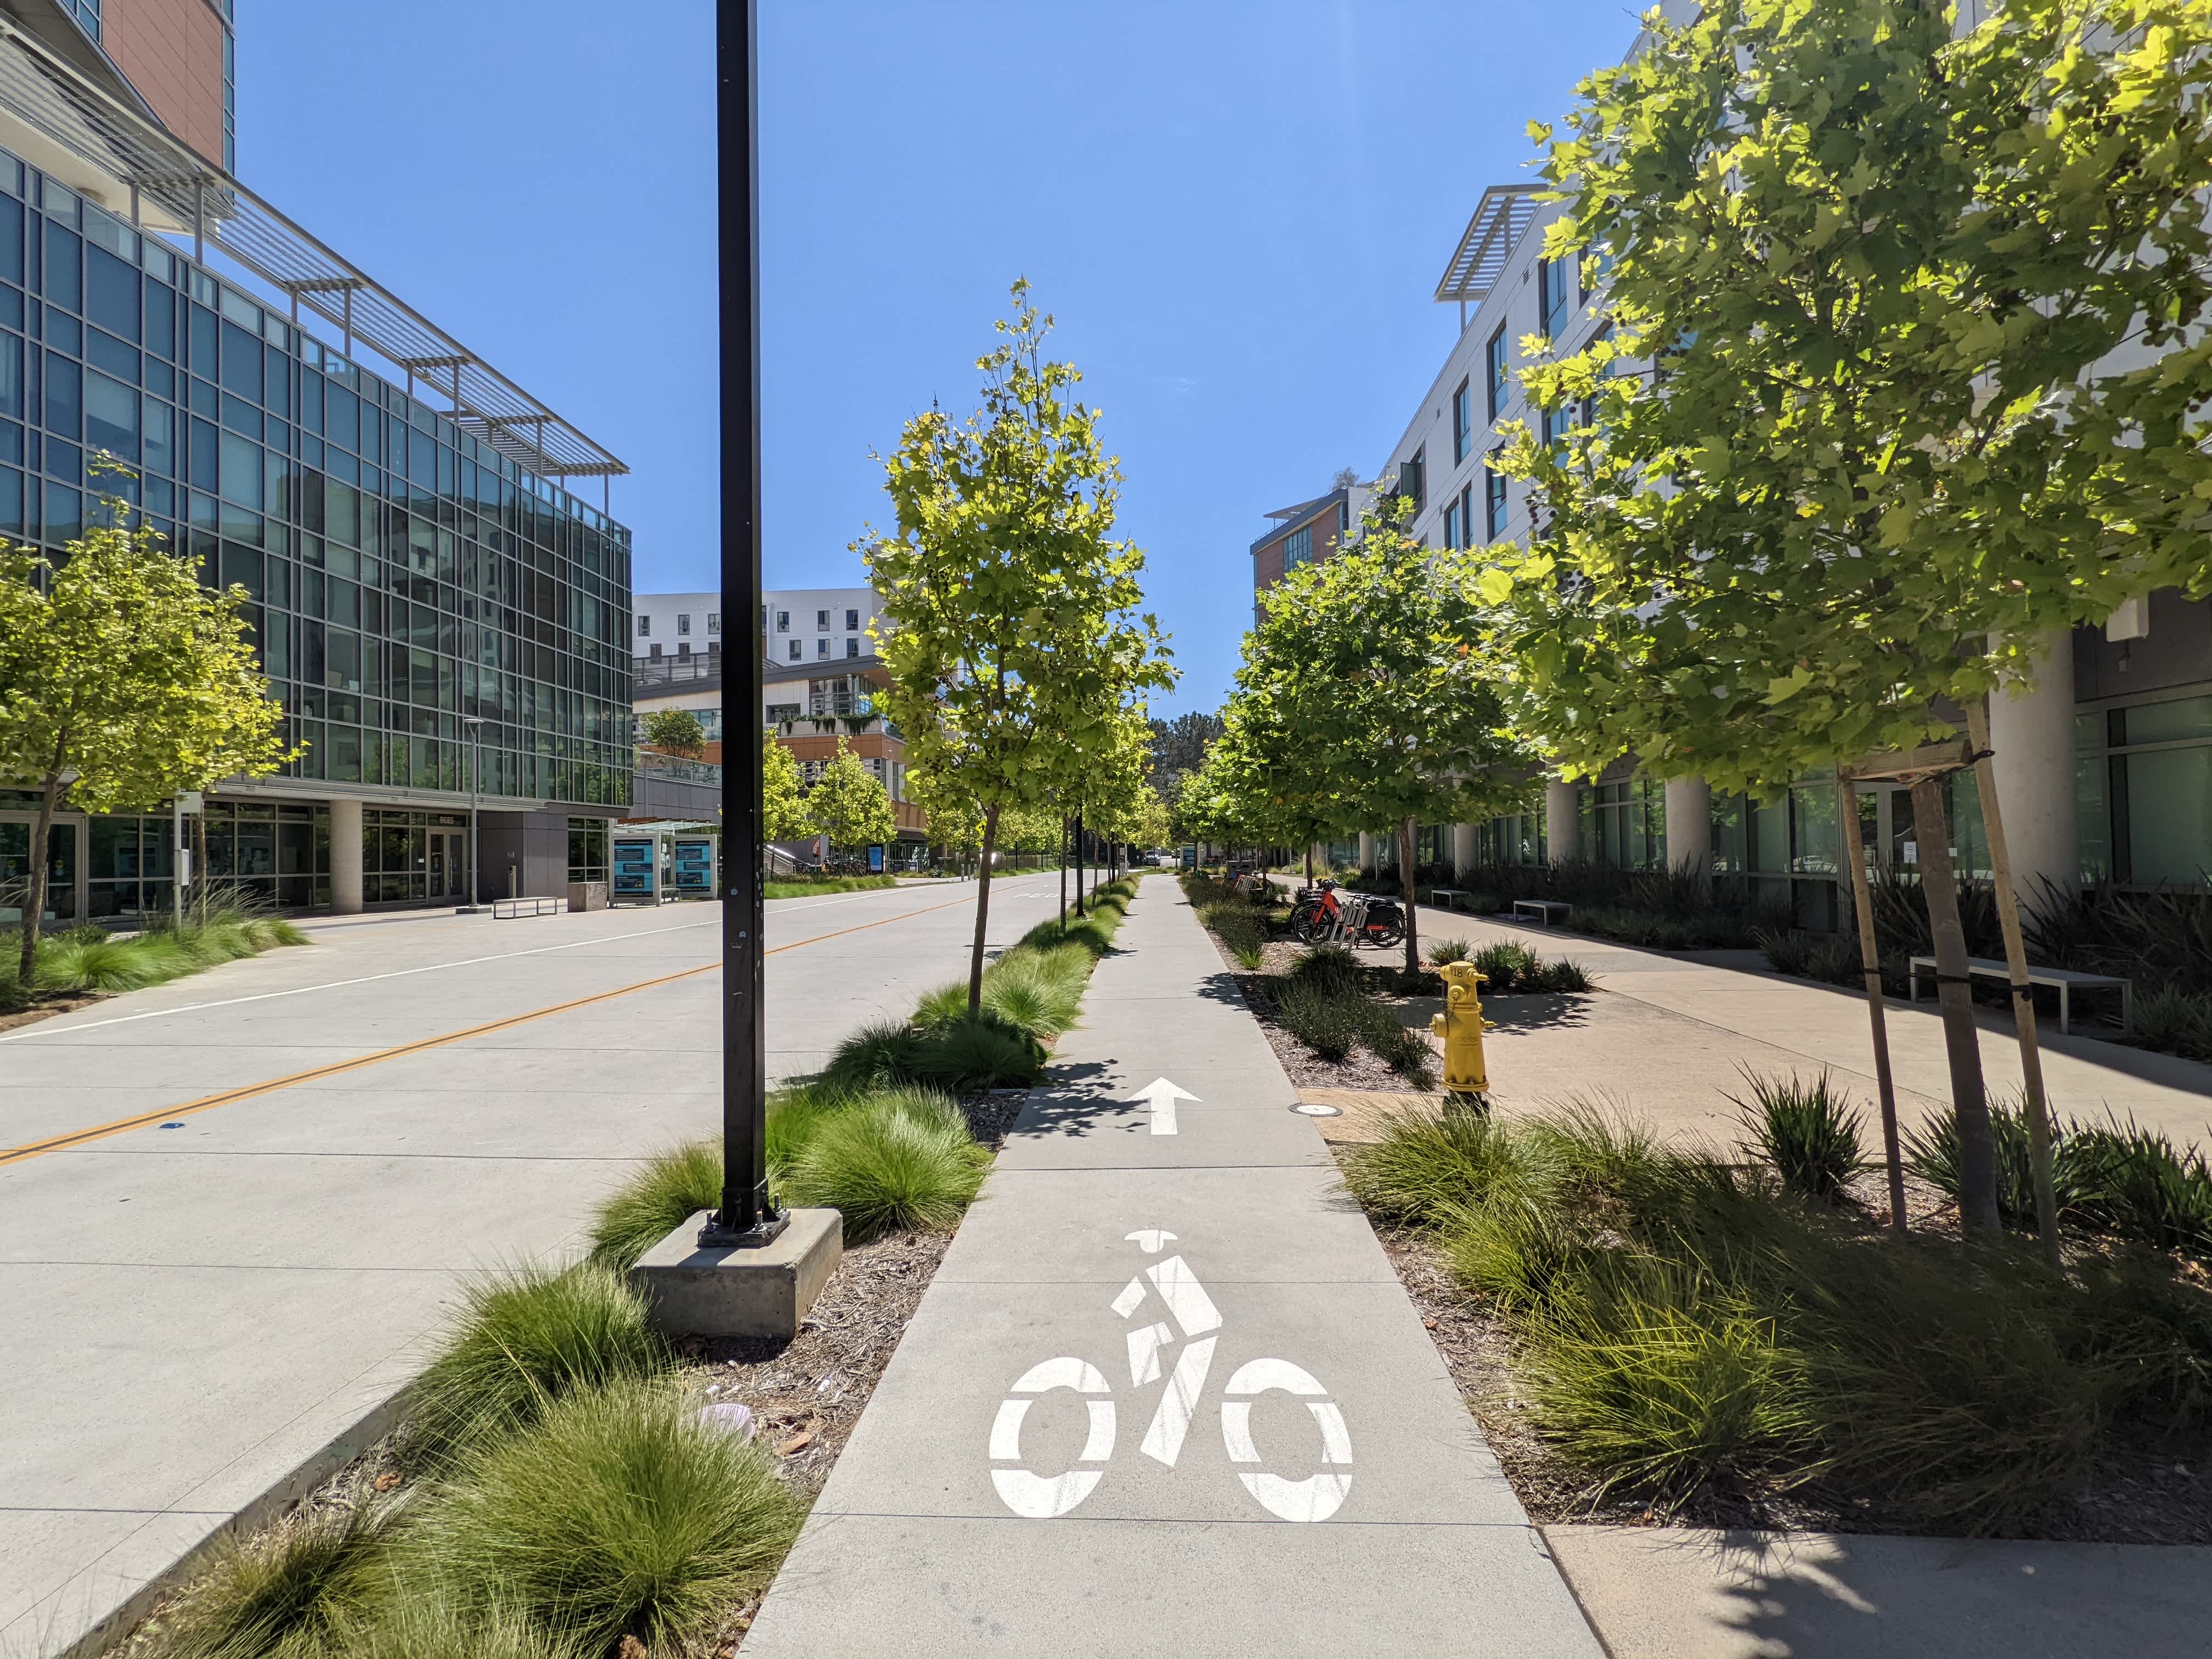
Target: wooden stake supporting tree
[
  {"x": 1877, "y": 1012},
  {"x": 2023, "y": 995}
]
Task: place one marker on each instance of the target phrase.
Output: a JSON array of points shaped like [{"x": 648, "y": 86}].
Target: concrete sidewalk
[
  {"x": 1163, "y": 1347},
  {"x": 1672, "y": 1033},
  {"x": 1689, "y": 1593}
]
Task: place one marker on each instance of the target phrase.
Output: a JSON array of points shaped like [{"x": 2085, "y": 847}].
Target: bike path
[{"x": 1236, "y": 1439}]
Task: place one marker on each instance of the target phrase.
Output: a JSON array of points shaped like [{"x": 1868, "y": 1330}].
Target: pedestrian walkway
[
  {"x": 1166, "y": 1394},
  {"x": 1671, "y": 1034}
]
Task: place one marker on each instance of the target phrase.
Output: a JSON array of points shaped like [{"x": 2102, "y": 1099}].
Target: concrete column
[
  {"x": 1562, "y": 835},
  {"x": 2032, "y": 745},
  {"x": 1463, "y": 843},
  {"x": 1366, "y": 851},
  {"x": 1690, "y": 825},
  {"x": 345, "y": 857}
]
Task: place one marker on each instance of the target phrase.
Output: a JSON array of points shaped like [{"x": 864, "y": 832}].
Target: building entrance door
[
  {"x": 447, "y": 863},
  {"x": 65, "y": 867}
]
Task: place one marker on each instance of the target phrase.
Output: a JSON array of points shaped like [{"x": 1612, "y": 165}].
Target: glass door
[
  {"x": 442, "y": 865},
  {"x": 65, "y": 900}
]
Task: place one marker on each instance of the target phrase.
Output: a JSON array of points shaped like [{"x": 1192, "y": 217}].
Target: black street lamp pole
[{"x": 747, "y": 1216}]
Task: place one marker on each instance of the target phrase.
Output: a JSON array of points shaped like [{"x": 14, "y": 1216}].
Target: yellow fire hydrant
[{"x": 1460, "y": 1026}]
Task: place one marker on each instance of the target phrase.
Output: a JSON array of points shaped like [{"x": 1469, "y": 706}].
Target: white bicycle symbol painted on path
[{"x": 1041, "y": 1497}]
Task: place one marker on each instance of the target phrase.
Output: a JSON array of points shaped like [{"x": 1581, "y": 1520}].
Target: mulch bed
[
  {"x": 45, "y": 1005},
  {"x": 2137, "y": 1495}
]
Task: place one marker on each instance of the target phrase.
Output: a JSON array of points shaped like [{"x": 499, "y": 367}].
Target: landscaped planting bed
[
  {"x": 1344, "y": 1020},
  {"x": 83, "y": 964},
  {"x": 1654, "y": 1336}
]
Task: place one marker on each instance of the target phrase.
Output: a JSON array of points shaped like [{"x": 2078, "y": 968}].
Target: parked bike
[{"x": 1327, "y": 915}]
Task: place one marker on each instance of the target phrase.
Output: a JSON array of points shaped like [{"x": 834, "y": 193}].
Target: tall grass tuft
[
  {"x": 1429, "y": 1168},
  {"x": 2132, "y": 1184},
  {"x": 433, "y": 1628},
  {"x": 903, "y": 1159},
  {"x": 283, "y": 1593},
  {"x": 619, "y": 1514},
  {"x": 1327, "y": 1021},
  {"x": 883, "y": 1053},
  {"x": 1676, "y": 1326},
  {"x": 673, "y": 1187},
  {"x": 975, "y": 1052},
  {"x": 1809, "y": 1132},
  {"x": 526, "y": 1337}
]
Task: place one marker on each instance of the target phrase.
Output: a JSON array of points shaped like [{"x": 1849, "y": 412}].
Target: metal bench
[
  {"x": 508, "y": 909},
  {"x": 1442, "y": 897},
  {"x": 1547, "y": 912},
  {"x": 2064, "y": 980}
]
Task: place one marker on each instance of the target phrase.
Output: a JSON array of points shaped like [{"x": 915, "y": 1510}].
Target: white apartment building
[
  {"x": 817, "y": 625},
  {"x": 2107, "y": 764}
]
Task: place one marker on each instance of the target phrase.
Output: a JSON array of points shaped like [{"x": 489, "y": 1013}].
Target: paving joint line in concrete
[{"x": 1181, "y": 1520}]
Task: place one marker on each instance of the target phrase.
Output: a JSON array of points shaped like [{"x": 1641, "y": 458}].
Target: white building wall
[{"x": 827, "y": 625}]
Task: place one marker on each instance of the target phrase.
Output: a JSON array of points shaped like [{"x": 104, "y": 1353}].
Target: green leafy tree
[
  {"x": 850, "y": 804},
  {"x": 1859, "y": 439},
  {"x": 1363, "y": 700},
  {"x": 676, "y": 732},
  {"x": 783, "y": 805},
  {"x": 1180, "y": 745},
  {"x": 1008, "y": 622},
  {"x": 123, "y": 682}
]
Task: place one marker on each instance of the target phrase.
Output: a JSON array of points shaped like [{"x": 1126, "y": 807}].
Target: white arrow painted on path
[{"x": 1163, "y": 1095}]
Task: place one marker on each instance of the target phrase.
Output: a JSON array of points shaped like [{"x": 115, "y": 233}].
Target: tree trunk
[
  {"x": 1308, "y": 864},
  {"x": 2023, "y": 995},
  {"x": 1063, "y": 869},
  {"x": 1078, "y": 864},
  {"x": 1977, "y": 1163},
  {"x": 1405, "y": 881},
  {"x": 982, "y": 910},
  {"x": 1877, "y": 1012},
  {"x": 34, "y": 900}
]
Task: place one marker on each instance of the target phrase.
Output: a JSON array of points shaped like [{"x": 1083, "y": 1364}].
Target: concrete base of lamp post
[{"x": 760, "y": 1291}]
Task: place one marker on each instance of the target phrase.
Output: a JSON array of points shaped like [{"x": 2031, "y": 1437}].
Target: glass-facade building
[{"x": 418, "y": 598}]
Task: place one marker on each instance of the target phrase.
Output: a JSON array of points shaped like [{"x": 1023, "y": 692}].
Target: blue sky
[{"x": 1237, "y": 212}]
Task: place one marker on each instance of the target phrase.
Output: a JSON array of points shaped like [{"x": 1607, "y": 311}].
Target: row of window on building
[{"x": 2142, "y": 796}]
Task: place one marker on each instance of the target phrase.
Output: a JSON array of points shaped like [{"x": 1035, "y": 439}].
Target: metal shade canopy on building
[
  {"x": 64, "y": 123},
  {"x": 1501, "y": 217}
]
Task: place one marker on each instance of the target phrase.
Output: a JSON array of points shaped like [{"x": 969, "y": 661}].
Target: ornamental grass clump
[
  {"x": 284, "y": 1593},
  {"x": 900, "y": 1160},
  {"x": 975, "y": 1052},
  {"x": 1809, "y": 1132},
  {"x": 1677, "y": 1326},
  {"x": 427, "y": 1627},
  {"x": 673, "y": 1187},
  {"x": 526, "y": 1337},
  {"x": 1240, "y": 926},
  {"x": 620, "y": 1513}
]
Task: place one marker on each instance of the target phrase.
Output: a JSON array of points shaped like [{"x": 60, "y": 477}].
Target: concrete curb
[{"x": 310, "y": 1473}]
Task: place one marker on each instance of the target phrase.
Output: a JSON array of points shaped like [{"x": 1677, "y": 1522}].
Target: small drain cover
[{"x": 1311, "y": 1108}]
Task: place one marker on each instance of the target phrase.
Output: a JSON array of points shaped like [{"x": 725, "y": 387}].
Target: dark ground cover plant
[
  {"x": 1808, "y": 1132},
  {"x": 2116, "y": 1178},
  {"x": 1679, "y": 1325},
  {"x": 1322, "y": 1002},
  {"x": 1510, "y": 967}
]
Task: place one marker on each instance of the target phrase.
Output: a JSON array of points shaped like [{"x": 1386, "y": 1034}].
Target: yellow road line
[{"x": 124, "y": 1125}]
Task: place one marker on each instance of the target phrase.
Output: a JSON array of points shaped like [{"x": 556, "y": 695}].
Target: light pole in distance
[{"x": 474, "y": 723}]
